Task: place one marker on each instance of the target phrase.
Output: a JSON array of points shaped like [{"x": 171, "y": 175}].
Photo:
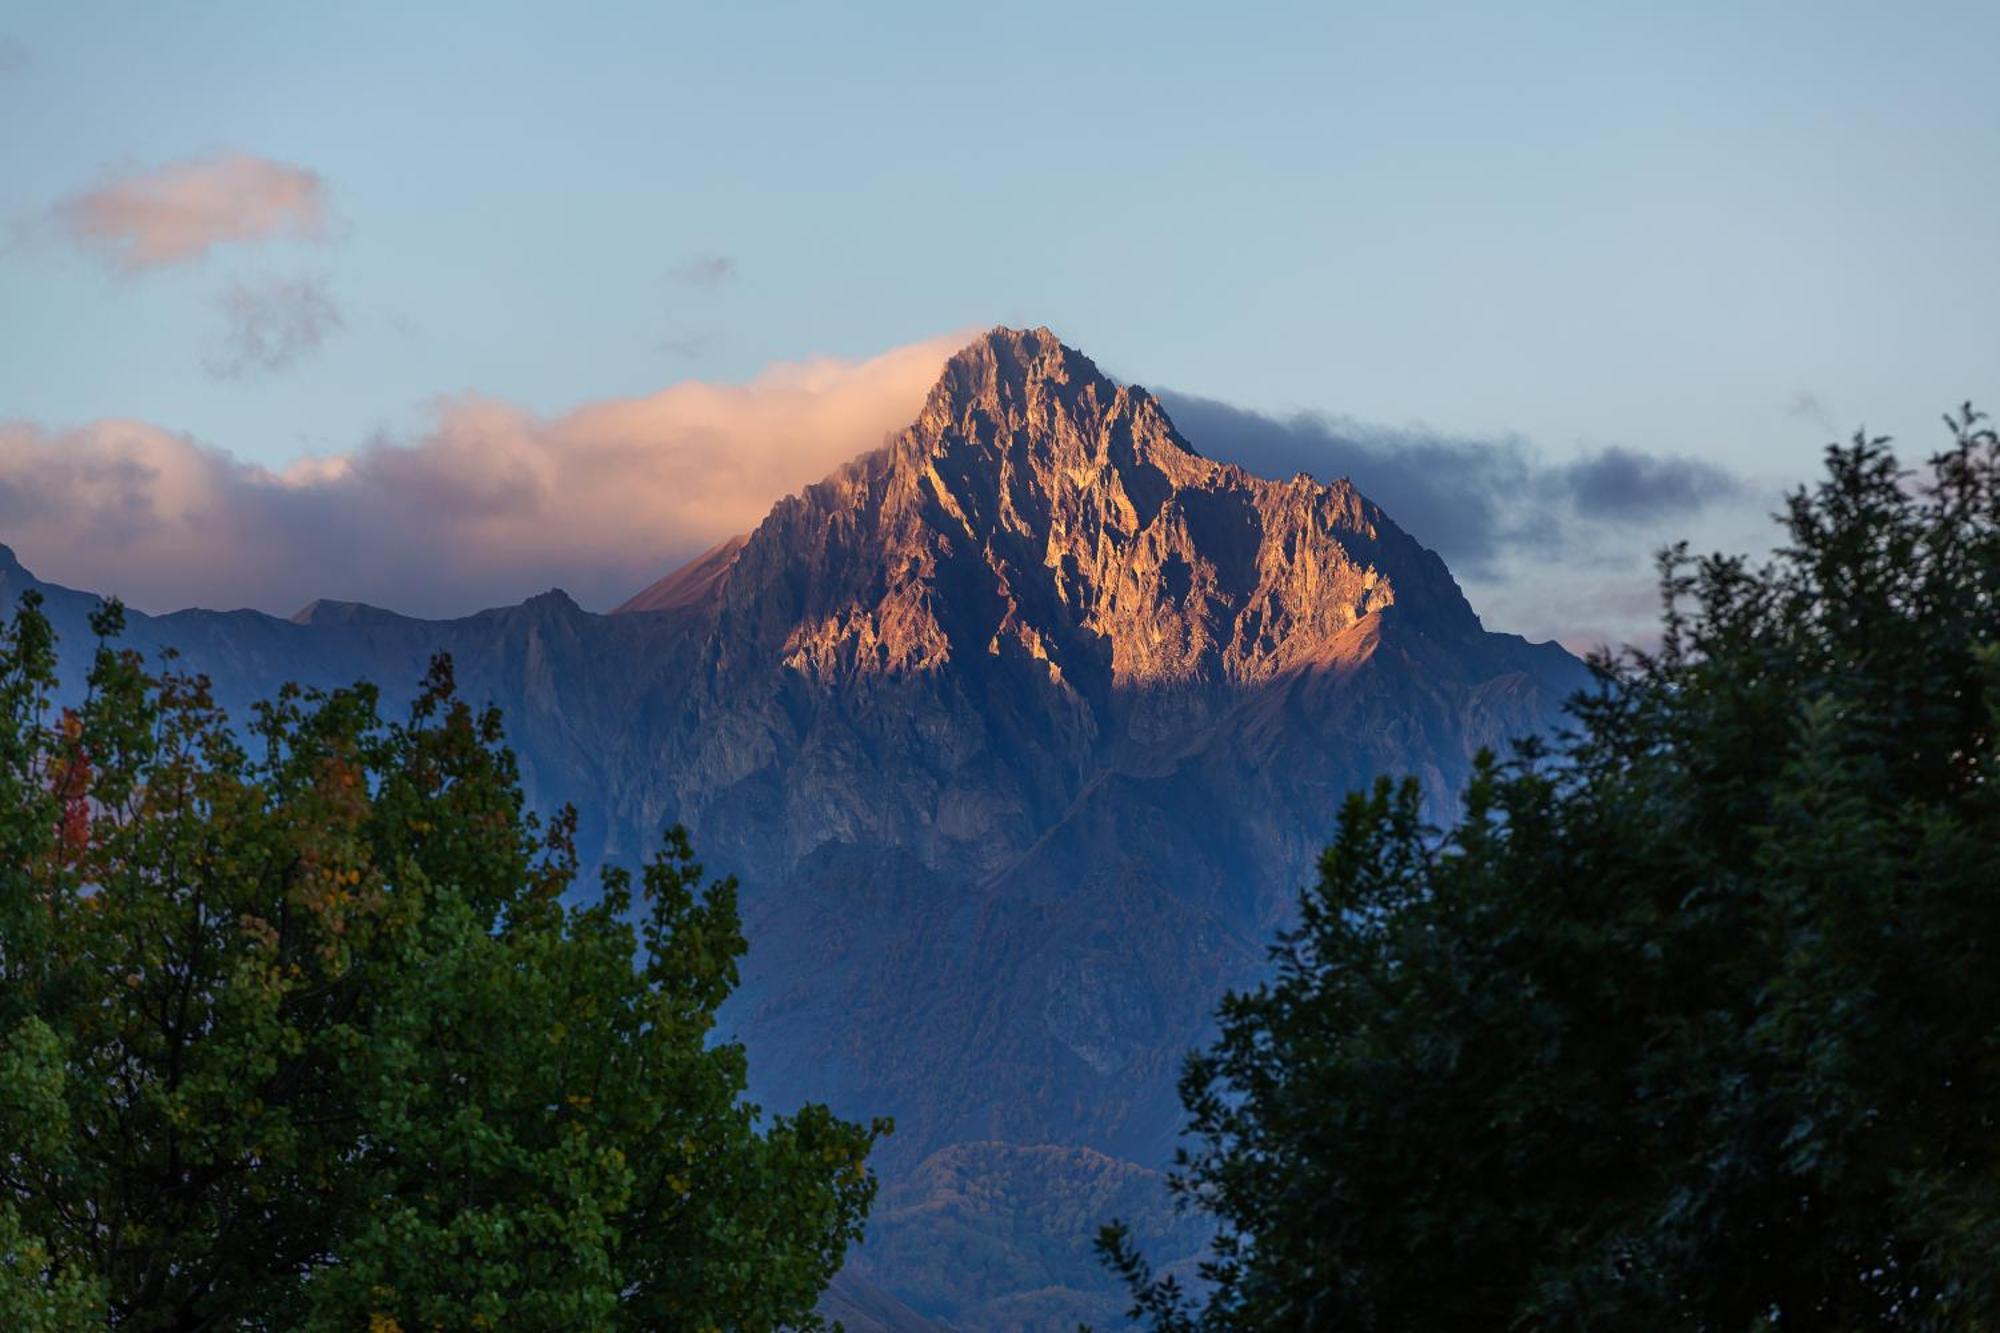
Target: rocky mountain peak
[
  {"x": 1022, "y": 397},
  {"x": 1017, "y": 375},
  {"x": 1036, "y": 509}
]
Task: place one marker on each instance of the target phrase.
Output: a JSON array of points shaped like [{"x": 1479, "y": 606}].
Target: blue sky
[{"x": 1722, "y": 231}]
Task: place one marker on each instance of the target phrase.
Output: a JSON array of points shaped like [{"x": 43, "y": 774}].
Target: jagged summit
[
  {"x": 1003, "y": 354},
  {"x": 1035, "y": 507},
  {"x": 1005, "y": 368},
  {"x": 1012, "y": 383}
]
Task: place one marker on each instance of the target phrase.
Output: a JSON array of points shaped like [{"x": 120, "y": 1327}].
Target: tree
[
  {"x": 1693, "y": 1019},
  {"x": 297, "y": 1032}
]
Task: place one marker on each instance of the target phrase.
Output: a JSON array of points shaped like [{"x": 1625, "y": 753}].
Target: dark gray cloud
[
  {"x": 271, "y": 323},
  {"x": 1617, "y": 483},
  {"x": 1475, "y": 501}
]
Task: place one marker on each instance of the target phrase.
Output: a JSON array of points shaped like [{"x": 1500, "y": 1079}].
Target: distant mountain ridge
[{"x": 1022, "y": 732}]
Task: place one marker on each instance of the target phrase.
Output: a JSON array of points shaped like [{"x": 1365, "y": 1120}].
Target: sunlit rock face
[
  {"x": 1022, "y": 733},
  {"x": 1036, "y": 510}
]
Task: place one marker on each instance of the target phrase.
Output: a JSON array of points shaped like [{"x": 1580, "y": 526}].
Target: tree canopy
[
  {"x": 1692, "y": 1020},
  {"x": 299, "y": 1031}
]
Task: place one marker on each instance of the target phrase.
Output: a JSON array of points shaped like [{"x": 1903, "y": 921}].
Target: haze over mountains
[{"x": 1021, "y": 732}]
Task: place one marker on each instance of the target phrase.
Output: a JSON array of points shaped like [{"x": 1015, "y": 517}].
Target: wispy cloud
[
  {"x": 270, "y": 323},
  {"x": 705, "y": 271},
  {"x": 178, "y": 212},
  {"x": 491, "y": 503},
  {"x": 14, "y": 56}
]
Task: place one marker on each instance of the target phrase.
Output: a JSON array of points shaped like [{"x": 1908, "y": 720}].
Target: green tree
[
  {"x": 297, "y": 1032},
  {"x": 1693, "y": 1020}
]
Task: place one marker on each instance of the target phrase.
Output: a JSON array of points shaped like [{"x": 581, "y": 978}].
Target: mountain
[{"x": 1022, "y": 732}]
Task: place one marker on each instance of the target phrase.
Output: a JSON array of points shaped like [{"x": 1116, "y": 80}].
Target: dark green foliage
[
  {"x": 1691, "y": 1023},
  {"x": 296, "y": 1032}
]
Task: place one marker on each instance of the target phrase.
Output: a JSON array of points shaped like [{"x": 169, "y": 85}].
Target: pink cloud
[
  {"x": 174, "y": 214},
  {"x": 491, "y": 504}
]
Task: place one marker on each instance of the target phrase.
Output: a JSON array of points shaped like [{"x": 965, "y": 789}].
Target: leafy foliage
[
  {"x": 1693, "y": 1022},
  {"x": 297, "y": 1031}
]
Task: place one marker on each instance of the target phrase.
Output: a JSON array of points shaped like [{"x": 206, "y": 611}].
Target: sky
[{"x": 278, "y": 251}]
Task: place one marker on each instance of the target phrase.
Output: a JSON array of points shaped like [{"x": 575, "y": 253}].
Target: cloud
[
  {"x": 706, "y": 271},
  {"x": 14, "y": 57},
  {"x": 1618, "y": 483},
  {"x": 488, "y": 505},
  {"x": 271, "y": 323},
  {"x": 176, "y": 213},
  {"x": 1476, "y": 502}
]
